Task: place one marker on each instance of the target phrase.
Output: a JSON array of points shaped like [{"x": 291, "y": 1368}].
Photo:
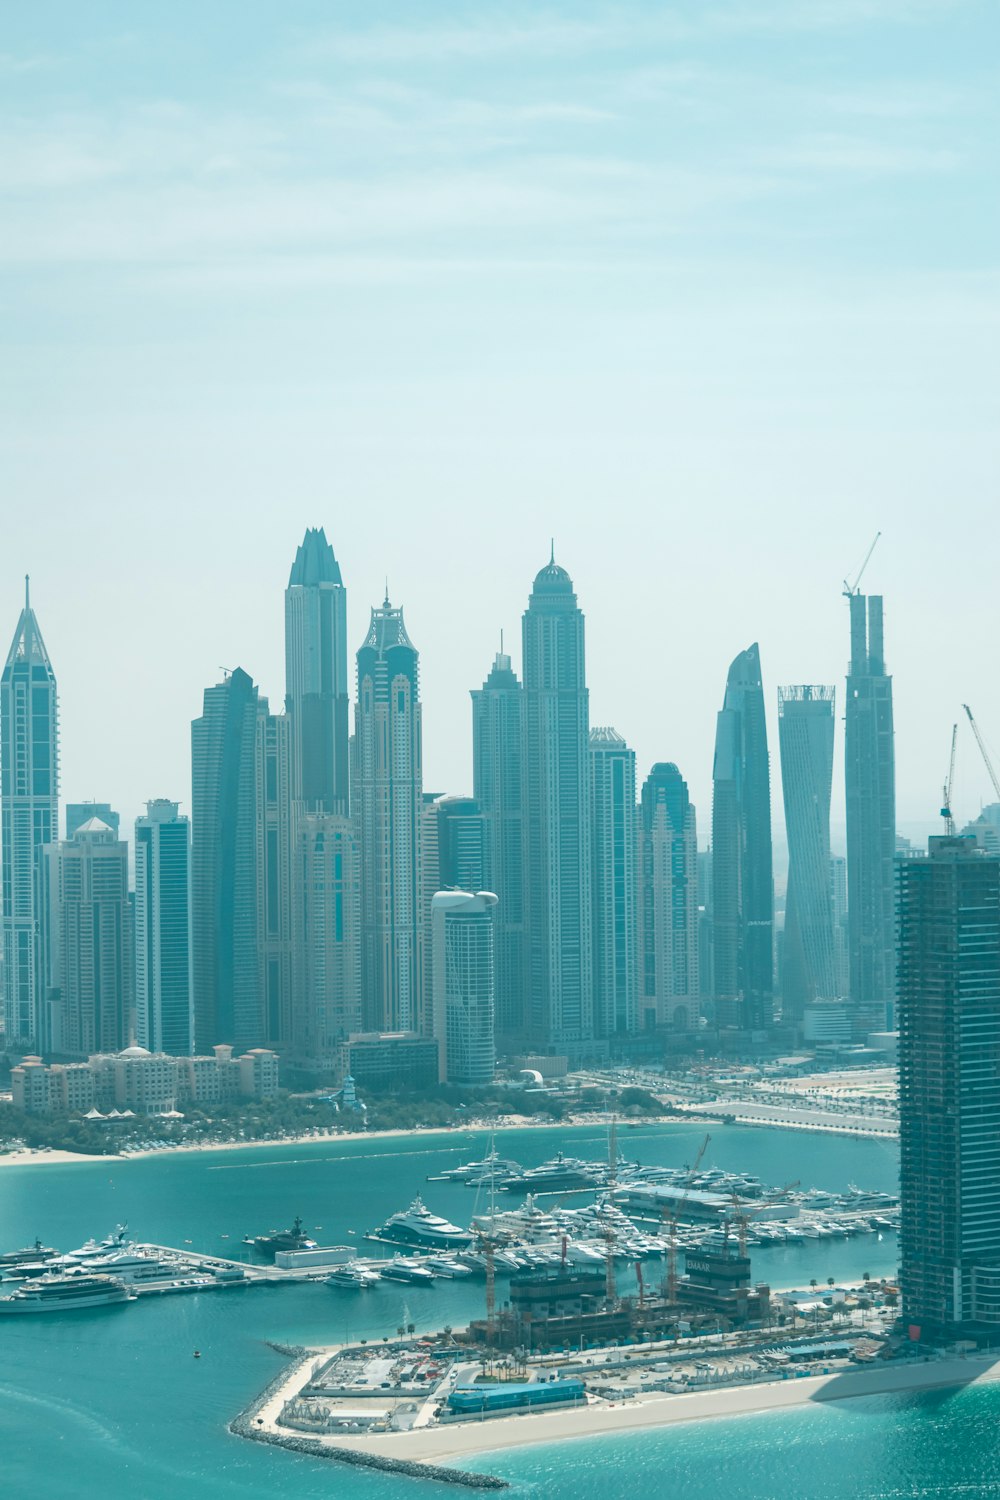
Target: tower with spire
[
  {"x": 388, "y": 802},
  {"x": 497, "y": 727},
  {"x": 29, "y": 817},
  {"x": 316, "y": 683},
  {"x": 557, "y": 822}
]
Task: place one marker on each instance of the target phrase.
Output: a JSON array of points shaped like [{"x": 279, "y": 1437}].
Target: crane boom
[
  {"x": 850, "y": 589},
  {"x": 983, "y": 751},
  {"x": 949, "y": 821}
]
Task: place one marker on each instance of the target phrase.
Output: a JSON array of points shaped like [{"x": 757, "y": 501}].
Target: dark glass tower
[
  {"x": 388, "y": 787},
  {"x": 669, "y": 988},
  {"x": 224, "y": 892},
  {"x": 742, "y": 879},
  {"x": 316, "y": 684},
  {"x": 870, "y": 774},
  {"x": 556, "y": 767},
  {"x": 497, "y": 757},
  {"x": 29, "y": 796},
  {"x": 805, "y": 739},
  {"x": 949, "y": 1077},
  {"x": 613, "y": 850}
]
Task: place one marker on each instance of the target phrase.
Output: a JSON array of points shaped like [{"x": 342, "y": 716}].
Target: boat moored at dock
[{"x": 69, "y": 1293}]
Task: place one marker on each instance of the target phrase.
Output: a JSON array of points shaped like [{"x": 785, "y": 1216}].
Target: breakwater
[{"x": 245, "y": 1425}]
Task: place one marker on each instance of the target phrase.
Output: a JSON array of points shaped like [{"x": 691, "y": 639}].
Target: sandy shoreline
[
  {"x": 462, "y": 1440},
  {"x": 460, "y": 1133}
]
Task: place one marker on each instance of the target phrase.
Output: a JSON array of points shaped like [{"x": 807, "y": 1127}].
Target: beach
[{"x": 452, "y": 1442}]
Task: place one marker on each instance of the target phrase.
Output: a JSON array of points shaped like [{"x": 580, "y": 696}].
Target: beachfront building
[
  {"x": 144, "y": 1082},
  {"x": 948, "y": 911},
  {"x": 463, "y": 993}
]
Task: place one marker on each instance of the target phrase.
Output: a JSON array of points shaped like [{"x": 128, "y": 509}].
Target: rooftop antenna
[
  {"x": 850, "y": 589},
  {"x": 27, "y": 591},
  {"x": 552, "y": 552},
  {"x": 386, "y": 604}
]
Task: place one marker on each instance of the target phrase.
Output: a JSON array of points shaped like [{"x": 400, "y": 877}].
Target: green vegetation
[{"x": 291, "y": 1115}]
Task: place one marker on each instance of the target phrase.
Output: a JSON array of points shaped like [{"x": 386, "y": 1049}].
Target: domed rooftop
[
  {"x": 553, "y": 579},
  {"x": 135, "y": 1051}
]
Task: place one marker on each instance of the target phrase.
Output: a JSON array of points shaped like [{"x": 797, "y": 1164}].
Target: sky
[{"x": 705, "y": 290}]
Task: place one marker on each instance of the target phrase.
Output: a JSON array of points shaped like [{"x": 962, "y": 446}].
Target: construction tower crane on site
[
  {"x": 672, "y": 1221},
  {"x": 983, "y": 751},
  {"x": 949, "y": 821},
  {"x": 741, "y": 1218},
  {"x": 850, "y": 589}
]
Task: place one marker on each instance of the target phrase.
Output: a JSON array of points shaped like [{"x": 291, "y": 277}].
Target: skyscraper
[
  {"x": 556, "y": 811},
  {"x": 224, "y": 895},
  {"x": 463, "y": 985},
  {"x": 78, "y": 813},
  {"x": 29, "y": 799},
  {"x": 274, "y": 813},
  {"x": 163, "y": 1000},
  {"x": 388, "y": 798},
  {"x": 497, "y": 760},
  {"x": 949, "y": 1078},
  {"x": 805, "y": 739},
  {"x": 668, "y": 902},
  {"x": 870, "y": 776},
  {"x": 328, "y": 958},
  {"x": 88, "y": 940},
  {"x": 316, "y": 681},
  {"x": 613, "y": 849},
  {"x": 742, "y": 881}
]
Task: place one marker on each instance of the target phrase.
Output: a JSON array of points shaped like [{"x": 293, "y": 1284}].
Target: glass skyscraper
[
  {"x": 29, "y": 819},
  {"x": 163, "y": 1001},
  {"x": 805, "y": 740},
  {"x": 557, "y": 821},
  {"x": 224, "y": 867},
  {"x": 316, "y": 677},
  {"x": 497, "y": 784},
  {"x": 742, "y": 878},
  {"x": 870, "y": 778},
  {"x": 669, "y": 986},
  {"x": 613, "y": 850},
  {"x": 949, "y": 1080},
  {"x": 463, "y": 995},
  {"x": 388, "y": 806}
]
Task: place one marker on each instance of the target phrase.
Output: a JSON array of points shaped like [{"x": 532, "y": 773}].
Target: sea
[{"x": 112, "y": 1401}]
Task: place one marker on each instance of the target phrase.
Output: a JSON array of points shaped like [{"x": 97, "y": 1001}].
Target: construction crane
[
  {"x": 610, "y": 1284},
  {"x": 741, "y": 1218},
  {"x": 983, "y": 751},
  {"x": 487, "y": 1245},
  {"x": 949, "y": 821},
  {"x": 850, "y": 589},
  {"x": 672, "y": 1222}
]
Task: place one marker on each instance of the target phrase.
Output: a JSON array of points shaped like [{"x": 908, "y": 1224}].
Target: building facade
[
  {"x": 613, "y": 884},
  {"x": 668, "y": 902},
  {"x": 317, "y": 687},
  {"x": 805, "y": 739},
  {"x": 228, "y": 1004},
  {"x": 275, "y": 817},
  {"x": 949, "y": 1081},
  {"x": 556, "y": 818},
  {"x": 497, "y": 760},
  {"x": 163, "y": 992},
  {"x": 463, "y": 998},
  {"x": 870, "y": 779},
  {"x": 29, "y": 819},
  {"x": 388, "y": 805},
  {"x": 88, "y": 957},
  {"x": 742, "y": 877},
  {"x": 327, "y": 882}
]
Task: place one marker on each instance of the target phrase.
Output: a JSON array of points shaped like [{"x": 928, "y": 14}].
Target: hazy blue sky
[{"x": 706, "y": 290}]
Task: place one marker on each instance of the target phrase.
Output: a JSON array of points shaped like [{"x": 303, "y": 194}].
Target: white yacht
[
  {"x": 354, "y": 1275},
  {"x": 65, "y": 1294},
  {"x": 417, "y": 1226},
  {"x": 446, "y": 1265},
  {"x": 476, "y": 1173},
  {"x": 411, "y": 1271}
]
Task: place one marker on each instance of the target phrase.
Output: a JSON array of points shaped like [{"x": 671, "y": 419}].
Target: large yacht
[
  {"x": 417, "y": 1226},
  {"x": 65, "y": 1294},
  {"x": 410, "y": 1271},
  {"x": 281, "y": 1239},
  {"x": 476, "y": 1173},
  {"x": 354, "y": 1275},
  {"x": 560, "y": 1172}
]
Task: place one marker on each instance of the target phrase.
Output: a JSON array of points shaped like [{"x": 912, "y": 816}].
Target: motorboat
[{"x": 353, "y": 1275}]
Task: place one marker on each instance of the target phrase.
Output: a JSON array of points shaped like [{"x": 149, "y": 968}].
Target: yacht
[
  {"x": 445, "y": 1265},
  {"x": 558, "y": 1173},
  {"x": 475, "y": 1173},
  {"x": 353, "y": 1275},
  {"x": 12, "y": 1261},
  {"x": 65, "y": 1294},
  {"x": 135, "y": 1268},
  {"x": 399, "y": 1269},
  {"x": 417, "y": 1226},
  {"x": 281, "y": 1239}
]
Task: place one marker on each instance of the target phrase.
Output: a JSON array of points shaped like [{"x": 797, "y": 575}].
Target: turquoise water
[{"x": 112, "y": 1399}]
